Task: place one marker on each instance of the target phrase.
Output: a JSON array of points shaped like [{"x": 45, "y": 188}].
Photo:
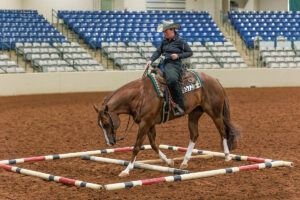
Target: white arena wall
[
  {"x": 68, "y": 82},
  {"x": 267, "y": 5},
  {"x": 11, "y": 4},
  {"x": 212, "y": 6}
]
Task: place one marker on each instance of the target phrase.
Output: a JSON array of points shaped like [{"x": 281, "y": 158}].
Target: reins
[
  {"x": 113, "y": 127},
  {"x": 126, "y": 133},
  {"x": 145, "y": 72}
]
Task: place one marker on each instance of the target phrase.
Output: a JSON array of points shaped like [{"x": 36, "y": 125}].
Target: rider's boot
[{"x": 179, "y": 110}]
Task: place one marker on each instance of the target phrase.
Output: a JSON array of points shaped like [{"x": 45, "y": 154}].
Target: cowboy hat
[{"x": 167, "y": 25}]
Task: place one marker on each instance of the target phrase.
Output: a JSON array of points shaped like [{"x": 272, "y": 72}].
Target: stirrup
[{"x": 178, "y": 112}]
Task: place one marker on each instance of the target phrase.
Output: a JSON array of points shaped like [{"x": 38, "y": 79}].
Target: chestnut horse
[{"x": 139, "y": 100}]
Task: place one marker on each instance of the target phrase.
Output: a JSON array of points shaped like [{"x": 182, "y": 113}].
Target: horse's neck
[{"x": 126, "y": 99}]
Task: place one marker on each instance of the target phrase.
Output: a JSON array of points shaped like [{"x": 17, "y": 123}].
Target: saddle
[{"x": 190, "y": 81}]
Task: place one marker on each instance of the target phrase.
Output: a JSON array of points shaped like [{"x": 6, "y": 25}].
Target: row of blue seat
[
  {"x": 145, "y": 30},
  {"x": 269, "y": 34},
  {"x": 264, "y": 16},
  {"x": 257, "y": 25},
  {"x": 96, "y": 42},
  {"x": 17, "y": 38},
  {"x": 115, "y": 25},
  {"x": 27, "y": 29},
  {"x": 19, "y": 11},
  {"x": 29, "y": 34},
  {"x": 124, "y": 34},
  {"x": 236, "y": 21},
  {"x": 26, "y": 25},
  {"x": 20, "y": 15},
  {"x": 146, "y": 16},
  {"x": 147, "y": 21},
  {"x": 128, "y": 28},
  {"x": 295, "y": 28},
  {"x": 233, "y": 12},
  {"x": 168, "y": 12},
  {"x": 104, "y": 31},
  {"x": 262, "y": 13},
  {"x": 198, "y": 24},
  {"x": 22, "y": 20}
]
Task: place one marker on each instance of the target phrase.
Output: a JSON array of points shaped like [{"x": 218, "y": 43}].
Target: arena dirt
[{"x": 269, "y": 119}]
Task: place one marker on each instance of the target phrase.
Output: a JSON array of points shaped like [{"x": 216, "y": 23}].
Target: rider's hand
[
  {"x": 149, "y": 63},
  {"x": 174, "y": 56}
]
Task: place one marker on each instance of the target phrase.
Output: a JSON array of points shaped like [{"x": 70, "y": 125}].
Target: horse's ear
[
  {"x": 96, "y": 109},
  {"x": 106, "y": 108}
]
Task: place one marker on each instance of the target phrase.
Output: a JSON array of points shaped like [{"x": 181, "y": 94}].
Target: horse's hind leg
[
  {"x": 221, "y": 127},
  {"x": 143, "y": 129},
  {"x": 152, "y": 136},
  {"x": 216, "y": 114},
  {"x": 194, "y": 117}
]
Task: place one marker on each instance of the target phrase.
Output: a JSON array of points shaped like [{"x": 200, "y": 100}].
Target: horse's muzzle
[{"x": 112, "y": 141}]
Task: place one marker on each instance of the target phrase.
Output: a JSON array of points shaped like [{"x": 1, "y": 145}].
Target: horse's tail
[{"x": 232, "y": 132}]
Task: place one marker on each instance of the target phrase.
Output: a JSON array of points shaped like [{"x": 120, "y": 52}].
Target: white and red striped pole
[
  {"x": 218, "y": 154},
  {"x": 136, "y": 165},
  {"x": 197, "y": 175},
  {"x": 51, "y": 177},
  {"x": 69, "y": 155}
]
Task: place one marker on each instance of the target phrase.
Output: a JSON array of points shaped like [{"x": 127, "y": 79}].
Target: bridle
[
  {"x": 113, "y": 127},
  {"x": 112, "y": 123}
]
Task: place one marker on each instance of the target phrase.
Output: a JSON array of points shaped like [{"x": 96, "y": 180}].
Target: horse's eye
[{"x": 106, "y": 125}]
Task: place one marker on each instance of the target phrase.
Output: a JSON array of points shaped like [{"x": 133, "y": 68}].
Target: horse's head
[{"x": 108, "y": 122}]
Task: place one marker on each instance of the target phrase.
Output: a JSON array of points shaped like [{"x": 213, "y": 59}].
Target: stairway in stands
[
  {"x": 227, "y": 30},
  {"x": 71, "y": 36}
]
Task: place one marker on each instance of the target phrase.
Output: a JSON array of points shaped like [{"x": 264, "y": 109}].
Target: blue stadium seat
[
  {"x": 138, "y": 25},
  {"x": 268, "y": 24}
]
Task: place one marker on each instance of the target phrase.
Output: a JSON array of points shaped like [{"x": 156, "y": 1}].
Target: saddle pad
[{"x": 190, "y": 82}]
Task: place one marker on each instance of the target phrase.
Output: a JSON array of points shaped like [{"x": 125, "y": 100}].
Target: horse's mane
[{"x": 105, "y": 101}]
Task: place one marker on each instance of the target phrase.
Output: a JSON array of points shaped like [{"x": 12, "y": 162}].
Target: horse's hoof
[
  {"x": 123, "y": 174},
  {"x": 228, "y": 158},
  {"x": 183, "y": 166},
  {"x": 171, "y": 163}
]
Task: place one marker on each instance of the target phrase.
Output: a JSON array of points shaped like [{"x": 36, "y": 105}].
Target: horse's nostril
[{"x": 113, "y": 142}]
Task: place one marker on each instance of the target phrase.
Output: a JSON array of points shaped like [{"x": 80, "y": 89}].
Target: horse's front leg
[
  {"x": 143, "y": 129},
  {"x": 193, "y": 128},
  {"x": 152, "y": 136}
]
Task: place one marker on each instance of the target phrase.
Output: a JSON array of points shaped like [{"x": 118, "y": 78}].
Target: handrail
[
  {"x": 54, "y": 14},
  {"x": 215, "y": 57},
  {"x": 8, "y": 46},
  {"x": 91, "y": 45},
  {"x": 3, "y": 70},
  {"x": 61, "y": 54}
]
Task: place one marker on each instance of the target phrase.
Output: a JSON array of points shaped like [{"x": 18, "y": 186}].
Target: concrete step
[
  {"x": 19, "y": 60},
  {"x": 96, "y": 54},
  {"x": 231, "y": 35}
]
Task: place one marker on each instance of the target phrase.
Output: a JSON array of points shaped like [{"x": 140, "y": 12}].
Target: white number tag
[{"x": 189, "y": 88}]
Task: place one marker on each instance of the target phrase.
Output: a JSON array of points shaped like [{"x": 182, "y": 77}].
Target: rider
[{"x": 174, "y": 48}]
